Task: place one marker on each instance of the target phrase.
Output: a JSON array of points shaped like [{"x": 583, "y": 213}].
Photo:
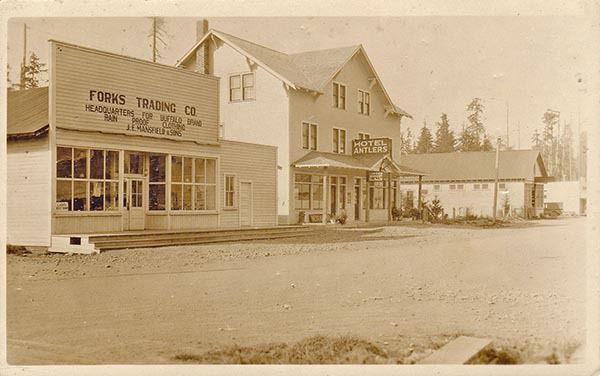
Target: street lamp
[{"x": 496, "y": 179}]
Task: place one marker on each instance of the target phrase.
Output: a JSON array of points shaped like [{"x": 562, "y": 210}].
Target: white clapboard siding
[
  {"x": 28, "y": 192},
  {"x": 257, "y": 164},
  {"x": 78, "y": 70},
  {"x": 87, "y": 223}
]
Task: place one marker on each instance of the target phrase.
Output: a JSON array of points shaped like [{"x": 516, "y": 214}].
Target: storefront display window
[
  {"x": 378, "y": 198},
  {"x": 87, "y": 179},
  {"x": 157, "y": 184},
  {"x": 193, "y": 183}
]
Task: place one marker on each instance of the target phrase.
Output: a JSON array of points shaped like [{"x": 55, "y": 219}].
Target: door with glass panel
[{"x": 134, "y": 203}]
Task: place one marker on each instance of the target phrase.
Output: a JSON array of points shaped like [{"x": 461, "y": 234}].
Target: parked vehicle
[{"x": 553, "y": 209}]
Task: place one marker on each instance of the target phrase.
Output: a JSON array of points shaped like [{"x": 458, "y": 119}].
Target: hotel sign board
[
  {"x": 374, "y": 176},
  {"x": 372, "y": 146},
  {"x": 99, "y": 91}
]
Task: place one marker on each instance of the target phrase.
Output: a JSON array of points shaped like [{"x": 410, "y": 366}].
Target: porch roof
[{"x": 363, "y": 162}]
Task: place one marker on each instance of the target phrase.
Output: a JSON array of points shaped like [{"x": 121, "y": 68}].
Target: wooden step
[{"x": 105, "y": 246}]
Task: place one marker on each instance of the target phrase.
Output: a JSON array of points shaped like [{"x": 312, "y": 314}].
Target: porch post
[
  {"x": 367, "y": 204},
  {"x": 420, "y": 198},
  {"x": 389, "y": 196},
  {"x": 325, "y": 191}
]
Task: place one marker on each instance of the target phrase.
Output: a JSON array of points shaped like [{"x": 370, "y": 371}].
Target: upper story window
[
  {"x": 309, "y": 136},
  {"x": 339, "y": 95},
  {"x": 363, "y": 136},
  {"x": 241, "y": 87},
  {"x": 364, "y": 102},
  {"x": 339, "y": 140}
]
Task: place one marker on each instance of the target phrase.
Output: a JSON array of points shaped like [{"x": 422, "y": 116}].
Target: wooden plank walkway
[{"x": 458, "y": 351}]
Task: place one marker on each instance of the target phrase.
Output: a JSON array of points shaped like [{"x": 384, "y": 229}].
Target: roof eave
[{"x": 41, "y": 132}]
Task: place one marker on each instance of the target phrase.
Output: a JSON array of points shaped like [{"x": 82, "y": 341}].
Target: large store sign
[
  {"x": 99, "y": 91},
  {"x": 372, "y": 146}
]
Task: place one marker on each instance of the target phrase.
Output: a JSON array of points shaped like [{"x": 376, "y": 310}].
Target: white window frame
[
  {"x": 339, "y": 147},
  {"x": 364, "y": 102},
  {"x": 436, "y": 187},
  {"x": 234, "y": 200},
  {"x": 477, "y": 187},
  {"x": 242, "y": 88},
  {"x": 312, "y": 130},
  {"x": 194, "y": 184},
  {"x": 337, "y": 95}
]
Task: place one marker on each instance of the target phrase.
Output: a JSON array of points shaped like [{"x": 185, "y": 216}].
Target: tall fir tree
[
  {"x": 471, "y": 136},
  {"x": 486, "y": 144},
  {"x": 406, "y": 142},
  {"x": 32, "y": 72},
  {"x": 425, "y": 141},
  {"x": 549, "y": 141},
  {"x": 536, "y": 140},
  {"x": 445, "y": 142}
]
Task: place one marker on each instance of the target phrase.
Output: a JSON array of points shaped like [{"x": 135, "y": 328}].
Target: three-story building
[{"x": 311, "y": 105}]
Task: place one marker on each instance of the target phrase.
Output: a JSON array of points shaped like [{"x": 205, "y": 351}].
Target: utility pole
[
  {"x": 154, "y": 39},
  {"x": 496, "y": 178},
  {"x": 507, "y": 132},
  {"x": 24, "y": 62},
  {"x": 519, "y": 135}
]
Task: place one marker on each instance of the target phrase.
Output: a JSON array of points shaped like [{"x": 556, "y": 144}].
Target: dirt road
[{"x": 401, "y": 287}]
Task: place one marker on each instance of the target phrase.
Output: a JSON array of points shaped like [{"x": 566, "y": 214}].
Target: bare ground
[{"x": 405, "y": 289}]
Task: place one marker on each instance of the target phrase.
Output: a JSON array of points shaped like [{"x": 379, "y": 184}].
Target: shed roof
[
  {"x": 310, "y": 70},
  {"x": 512, "y": 164},
  {"x": 27, "y": 112}
]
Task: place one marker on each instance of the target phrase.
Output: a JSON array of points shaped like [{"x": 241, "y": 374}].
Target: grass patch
[
  {"x": 312, "y": 350},
  {"x": 18, "y": 250},
  {"x": 493, "y": 355}
]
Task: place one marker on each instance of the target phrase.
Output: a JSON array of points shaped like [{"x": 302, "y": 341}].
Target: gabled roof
[
  {"x": 512, "y": 164},
  {"x": 311, "y": 70},
  {"x": 27, "y": 112},
  {"x": 365, "y": 162}
]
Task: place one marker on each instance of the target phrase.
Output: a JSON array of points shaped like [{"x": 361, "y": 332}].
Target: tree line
[{"x": 472, "y": 137}]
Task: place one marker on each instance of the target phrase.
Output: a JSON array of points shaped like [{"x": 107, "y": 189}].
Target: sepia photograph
[{"x": 405, "y": 191}]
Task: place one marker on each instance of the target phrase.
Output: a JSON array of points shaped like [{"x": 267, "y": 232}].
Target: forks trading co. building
[{"x": 117, "y": 144}]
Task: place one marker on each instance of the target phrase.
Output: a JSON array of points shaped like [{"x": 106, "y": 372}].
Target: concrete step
[{"x": 458, "y": 351}]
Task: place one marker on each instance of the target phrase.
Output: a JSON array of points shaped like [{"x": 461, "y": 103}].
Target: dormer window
[
  {"x": 241, "y": 87},
  {"x": 364, "y": 102},
  {"x": 339, "y": 95}
]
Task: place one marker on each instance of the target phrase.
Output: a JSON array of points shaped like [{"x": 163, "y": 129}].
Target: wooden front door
[{"x": 134, "y": 203}]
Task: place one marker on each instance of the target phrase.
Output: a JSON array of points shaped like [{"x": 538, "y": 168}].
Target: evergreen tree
[
  {"x": 425, "y": 141},
  {"x": 549, "y": 141},
  {"x": 475, "y": 130},
  {"x": 406, "y": 142},
  {"x": 32, "y": 72},
  {"x": 444, "y": 137},
  {"x": 536, "y": 140},
  {"x": 486, "y": 144}
]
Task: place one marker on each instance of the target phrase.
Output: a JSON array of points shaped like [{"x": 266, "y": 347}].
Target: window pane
[
  {"x": 317, "y": 179},
  {"x": 305, "y": 135},
  {"x": 157, "y": 169},
  {"x": 176, "y": 197},
  {"x": 248, "y": 80},
  {"x": 200, "y": 202},
  {"x": 199, "y": 170},
  {"x": 335, "y": 95},
  {"x": 248, "y": 93},
  {"x": 302, "y": 178},
  {"x": 211, "y": 171},
  {"x": 302, "y": 196},
  {"x": 80, "y": 163},
  {"x": 176, "y": 168},
  {"x": 63, "y": 192},
  {"x": 342, "y": 97},
  {"x": 111, "y": 195},
  {"x": 342, "y": 141},
  {"x": 156, "y": 197},
  {"x": 211, "y": 197},
  {"x": 134, "y": 163},
  {"x": 63, "y": 162},
  {"x": 235, "y": 94},
  {"x": 187, "y": 197},
  {"x": 112, "y": 165},
  {"x": 234, "y": 82},
  {"x": 79, "y": 195},
  {"x": 97, "y": 164},
  {"x": 96, "y": 195},
  {"x": 317, "y": 196},
  {"x": 335, "y": 140},
  {"x": 187, "y": 169},
  {"x": 313, "y": 137}
]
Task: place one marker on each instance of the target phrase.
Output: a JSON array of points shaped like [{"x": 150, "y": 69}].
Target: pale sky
[{"x": 428, "y": 65}]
